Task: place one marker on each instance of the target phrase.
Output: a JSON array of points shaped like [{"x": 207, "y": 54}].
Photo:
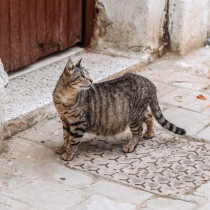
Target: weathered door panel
[
  {"x": 32, "y": 29},
  {"x": 4, "y": 33}
]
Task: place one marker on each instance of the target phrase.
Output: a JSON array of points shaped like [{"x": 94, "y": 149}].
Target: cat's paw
[
  {"x": 67, "y": 157},
  {"x": 128, "y": 148},
  {"x": 60, "y": 150},
  {"x": 148, "y": 135}
]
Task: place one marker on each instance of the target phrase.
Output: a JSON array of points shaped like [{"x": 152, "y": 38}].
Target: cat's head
[{"x": 77, "y": 76}]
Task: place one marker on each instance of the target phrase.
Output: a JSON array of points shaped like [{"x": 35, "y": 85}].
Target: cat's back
[
  {"x": 111, "y": 103},
  {"x": 126, "y": 84}
]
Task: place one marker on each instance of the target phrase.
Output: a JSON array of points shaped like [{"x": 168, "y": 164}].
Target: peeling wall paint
[
  {"x": 187, "y": 25},
  {"x": 208, "y": 20},
  {"x": 136, "y": 25},
  {"x": 152, "y": 26},
  {"x": 3, "y": 84}
]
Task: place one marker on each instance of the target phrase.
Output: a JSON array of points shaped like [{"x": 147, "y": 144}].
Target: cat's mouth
[{"x": 86, "y": 86}]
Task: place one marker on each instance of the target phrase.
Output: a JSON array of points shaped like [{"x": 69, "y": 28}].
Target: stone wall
[
  {"x": 3, "y": 84},
  {"x": 187, "y": 25},
  {"x": 149, "y": 25},
  {"x": 135, "y": 25},
  {"x": 208, "y": 19}
]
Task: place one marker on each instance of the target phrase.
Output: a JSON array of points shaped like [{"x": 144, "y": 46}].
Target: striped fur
[{"x": 105, "y": 108}]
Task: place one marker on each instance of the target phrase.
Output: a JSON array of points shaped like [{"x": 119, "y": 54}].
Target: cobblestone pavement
[
  {"x": 165, "y": 164},
  {"x": 166, "y": 172}
]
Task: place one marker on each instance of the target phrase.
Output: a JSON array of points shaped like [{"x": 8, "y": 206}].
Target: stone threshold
[{"x": 29, "y": 93}]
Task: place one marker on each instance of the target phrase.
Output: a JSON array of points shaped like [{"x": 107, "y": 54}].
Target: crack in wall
[
  {"x": 101, "y": 24},
  {"x": 165, "y": 36}
]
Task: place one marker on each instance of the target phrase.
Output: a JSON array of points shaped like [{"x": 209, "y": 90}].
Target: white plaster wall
[
  {"x": 208, "y": 19},
  {"x": 3, "y": 83},
  {"x": 135, "y": 25},
  {"x": 187, "y": 25}
]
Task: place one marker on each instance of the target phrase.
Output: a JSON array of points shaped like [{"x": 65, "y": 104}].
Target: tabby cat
[{"x": 105, "y": 108}]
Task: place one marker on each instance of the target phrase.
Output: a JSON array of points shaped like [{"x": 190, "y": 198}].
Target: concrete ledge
[
  {"x": 30, "y": 95},
  {"x": 3, "y": 84}
]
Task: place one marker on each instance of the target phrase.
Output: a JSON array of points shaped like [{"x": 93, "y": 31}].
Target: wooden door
[{"x": 30, "y": 29}]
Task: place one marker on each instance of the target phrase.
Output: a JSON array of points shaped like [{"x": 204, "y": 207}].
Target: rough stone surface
[
  {"x": 96, "y": 202},
  {"x": 63, "y": 174},
  {"x": 23, "y": 151},
  {"x": 204, "y": 134},
  {"x": 187, "y": 25},
  {"x": 3, "y": 75},
  {"x": 205, "y": 207},
  {"x": 8, "y": 203},
  {"x": 43, "y": 194},
  {"x": 192, "y": 122},
  {"x": 166, "y": 164},
  {"x": 208, "y": 18},
  {"x": 183, "y": 25},
  {"x": 50, "y": 139},
  {"x": 3, "y": 84},
  {"x": 204, "y": 191},
  {"x": 130, "y": 31},
  {"x": 108, "y": 189},
  {"x": 165, "y": 204}
]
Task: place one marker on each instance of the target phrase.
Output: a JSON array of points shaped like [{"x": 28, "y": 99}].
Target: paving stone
[
  {"x": 8, "y": 203},
  {"x": 168, "y": 165},
  {"x": 207, "y": 109},
  {"x": 29, "y": 153},
  {"x": 15, "y": 175},
  {"x": 182, "y": 97},
  {"x": 205, "y": 207},
  {"x": 43, "y": 194},
  {"x": 204, "y": 190},
  {"x": 119, "y": 192},
  {"x": 66, "y": 176},
  {"x": 96, "y": 202},
  {"x": 191, "y": 121},
  {"x": 48, "y": 133},
  {"x": 204, "y": 134},
  {"x": 169, "y": 71},
  {"x": 165, "y": 204}
]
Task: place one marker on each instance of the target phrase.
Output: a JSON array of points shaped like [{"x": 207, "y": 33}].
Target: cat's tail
[{"x": 154, "y": 106}]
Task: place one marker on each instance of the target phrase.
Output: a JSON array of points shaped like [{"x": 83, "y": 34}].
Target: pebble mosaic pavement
[{"x": 165, "y": 164}]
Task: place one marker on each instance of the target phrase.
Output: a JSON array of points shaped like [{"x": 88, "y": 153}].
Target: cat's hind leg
[
  {"x": 149, "y": 121},
  {"x": 136, "y": 129}
]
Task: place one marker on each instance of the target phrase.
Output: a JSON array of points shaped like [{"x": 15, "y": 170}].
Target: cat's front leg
[
  {"x": 71, "y": 148},
  {"x": 76, "y": 133},
  {"x": 66, "y": 135}
]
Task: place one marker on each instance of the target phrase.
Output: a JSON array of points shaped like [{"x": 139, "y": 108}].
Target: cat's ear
[
  {"x": 79, "y": 62},
  {"x": 69, "y": 65}
]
